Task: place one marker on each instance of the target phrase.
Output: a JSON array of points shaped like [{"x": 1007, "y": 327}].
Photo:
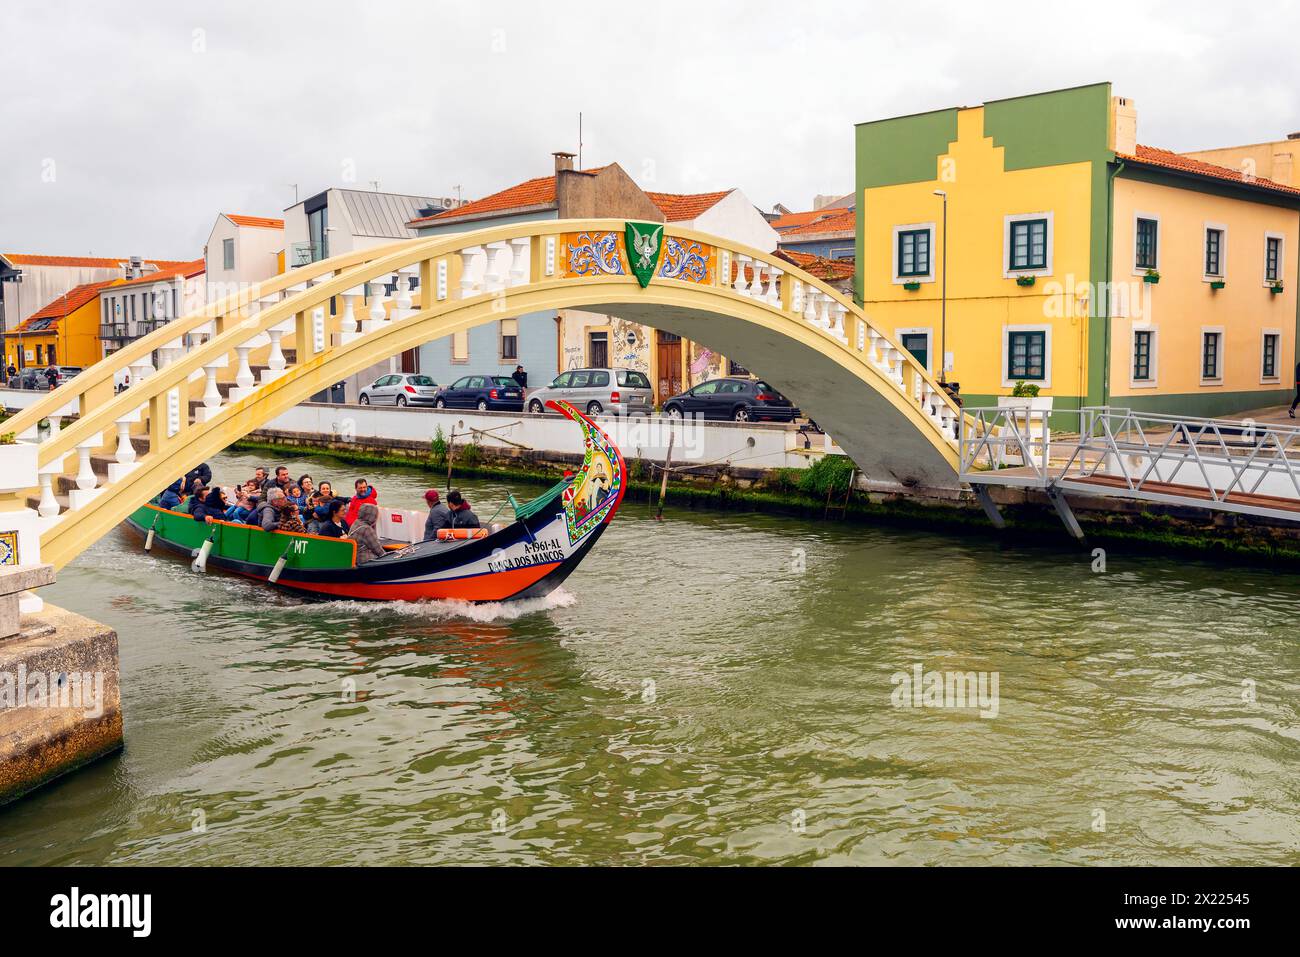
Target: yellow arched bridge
[{"x": 338, "y": 317}]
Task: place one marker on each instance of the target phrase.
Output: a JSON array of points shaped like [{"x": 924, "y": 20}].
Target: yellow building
[
  {"x": 1103, "y": 271},
  {"x": 64, "y": 332}
]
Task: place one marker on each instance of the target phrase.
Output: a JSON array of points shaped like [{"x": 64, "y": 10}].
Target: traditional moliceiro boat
[{"x": 527, "y": 558}]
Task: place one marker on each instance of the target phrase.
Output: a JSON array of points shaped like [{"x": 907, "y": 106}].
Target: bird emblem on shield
[{"x": 644, "y": 243}]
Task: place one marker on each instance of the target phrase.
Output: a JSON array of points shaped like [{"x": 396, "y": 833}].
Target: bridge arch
[{"x": 882, "y": 406}]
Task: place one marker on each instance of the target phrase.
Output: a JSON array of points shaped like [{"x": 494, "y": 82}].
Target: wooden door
[{"x": 668, "y": 361}]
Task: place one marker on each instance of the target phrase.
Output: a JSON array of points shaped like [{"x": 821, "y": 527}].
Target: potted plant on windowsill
[
  {"x": 1275, "y": 286},
  {"x": 1024, "y": 395},
  {"x": 1151, "y": 276},
  {"x": 1025, "y": 280},
  {"x": 1217, "y": 283},
  {"x": 911, "y": 285}
]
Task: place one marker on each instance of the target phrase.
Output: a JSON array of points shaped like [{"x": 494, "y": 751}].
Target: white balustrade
[
  {"x": 377, "y": 313},
  {"x": 349, "y": 321},
  {"x": 494, "y": 278},
  {"x": 519, "y": 264},
  {"x": 469, "y": 258},
  {"x": 810, "y": 306},
  {"x": 125, "y": 454},
  {"x": 276, "y": 361},
  {"x": 86, "y": 478},
  {"x": 403, "y": 302},
  {"x": 49, "y": 505},
  {"x": 773, "y": 294},
  {"x": 244, "y": 379},
  {"x": 796, "y": 298},
  {"x": 211, "y": 393},
  {"x": 740, "y": 284},
  {"x": 837, "y": 326}
]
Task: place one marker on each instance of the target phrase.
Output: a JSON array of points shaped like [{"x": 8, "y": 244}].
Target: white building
[
  {"x": 141, "y": 305},
  {"x": 242, "y": 251}
]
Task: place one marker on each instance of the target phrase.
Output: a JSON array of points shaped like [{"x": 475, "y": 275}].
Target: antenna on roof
[
  {"x": 580, "y": 139},
  {"x": 375, "y": 184},
  {"x": 295, "y": 193}
]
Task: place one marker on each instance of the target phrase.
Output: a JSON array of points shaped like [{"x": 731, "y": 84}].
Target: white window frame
[
  {"x": 1200, "y": 356},
  {"x": 893, "y": 252},
  {"x": 1281, "y": 259},
  {"x": 1046, "y": 381},
  {"x": 501, "y": 340},
  {"x": 1276, "y": 378},
  {"x": 1160, "y": 243},
  {"x": 451, "y": 347},
  {"x": 1007, "y": 271},
  {"x": 1153, "y": 359},
  {"x": 1205, "y": 248},
  {"x": 227, "y": 244},
  {"x": 928, "y": 332},
  {"x": 850, "y": 252}
]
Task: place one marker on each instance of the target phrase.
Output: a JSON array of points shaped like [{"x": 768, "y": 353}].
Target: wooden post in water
[{"x": 663, "y": 485}]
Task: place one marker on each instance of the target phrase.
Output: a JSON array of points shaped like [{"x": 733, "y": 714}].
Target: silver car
[
  {"x": 597, "y": 391},
  {"x": 400, "y": 388}
]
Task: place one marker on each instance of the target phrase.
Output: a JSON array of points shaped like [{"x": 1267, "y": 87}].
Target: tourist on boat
[
  {"x": 171, "y": 496},
  {"x": 439, "y": 516},
  {"x": 294, "y": 494},
  {"x": 212, "y": 507},
  {"x": 197, "y": 495},
  {"x": 202, "y": 472},
  {"x": 239, "y": 509},
  {"x": 291, "y": 520},
  {"x": 366, "y": 494},
  {"x": 365, "y": 534},
  {"x": 280, "y": 480},
  {"x": 462, "y": 516},
  {"x": 259, "y": 477},
  {"x": 267, "y": 514},
  {"x": 308, "y": 488},
  {"x": 327, "y": 520},
  {"x": 327, "y": 491}
]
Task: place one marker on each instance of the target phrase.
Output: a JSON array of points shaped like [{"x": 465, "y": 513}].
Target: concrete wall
[
  {"x": 255, "y": 257},
  {"x": 752, "y": 446}
]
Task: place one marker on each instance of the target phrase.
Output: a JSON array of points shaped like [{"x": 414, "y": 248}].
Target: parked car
[
  {"x": 741, "y": 400},
  {"x": 594, "y": 391},
  {"x": 482, "y": 392},
  {"x": 61, "y": 374},
  {"x": 400, "y": 388}
]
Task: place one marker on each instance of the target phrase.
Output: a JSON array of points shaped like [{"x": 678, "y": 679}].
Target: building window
[
  {"x": 1146, "y": 247},
  {"x": 1142, "y": 342},
  {"x": 1272, "y": 258},
  {"x": 914, "y": 252},
  {"x": 1028, "y": 242},
  {"x": 1213, "y": 252},
  {"x": 1211, "y": 354},
  {"x": 598, "y": 349},
  {"x": 510, "y": 339},
  {"x": 227, "y": 254},
  {"x": 842, "y": 252},
  {"x": 460, "y": 346},
  {"x": 1268, "y": 368},
  {"x": 1027, "y": 355}
]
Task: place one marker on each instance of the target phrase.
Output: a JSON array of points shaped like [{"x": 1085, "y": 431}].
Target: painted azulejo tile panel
[
  {"x": 594, "y": 254},
  {"x": 687, "y": 260},
  {"x": 8, "y": 548}
]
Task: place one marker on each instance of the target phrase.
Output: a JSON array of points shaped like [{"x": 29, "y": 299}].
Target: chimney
[
  {"x": 563, "y": 161},
  {"x": 1124, "y": 112},
  {"x": 135, "y": 268},
  {"x": 1293, "y": 136}
]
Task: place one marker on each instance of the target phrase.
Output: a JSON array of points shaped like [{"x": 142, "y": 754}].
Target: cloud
[{"x": 158, "y": 116}]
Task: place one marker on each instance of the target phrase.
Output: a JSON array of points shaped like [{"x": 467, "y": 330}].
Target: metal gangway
[{"x": 1228, "y": 465}]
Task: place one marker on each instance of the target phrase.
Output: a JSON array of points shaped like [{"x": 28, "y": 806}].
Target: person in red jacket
[{"x": 366, "y": 494}]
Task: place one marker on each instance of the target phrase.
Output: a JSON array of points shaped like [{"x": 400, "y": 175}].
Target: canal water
[{"x": 720, "y": 688}]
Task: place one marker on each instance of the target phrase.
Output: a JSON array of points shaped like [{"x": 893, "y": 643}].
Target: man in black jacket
[
  {"x": 521, "y": 377},
  {"x": 439, "y": 516}
]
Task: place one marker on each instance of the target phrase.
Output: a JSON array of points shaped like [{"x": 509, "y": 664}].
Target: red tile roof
[
  {"x": 93, "y": 262},
  {"x": 1152, "y": 156},
  {"x": 791, "y": 220},
  {"x": 819, "y": 266},
  {"x": 844, "y": 221},
  {"x": 68, "y": 303},
  {"x": 532, "y": 192},
  {"x": 677, "y": 207},
  {"x": 189, "y": 270},
  {"x": 261, "y": 222}
]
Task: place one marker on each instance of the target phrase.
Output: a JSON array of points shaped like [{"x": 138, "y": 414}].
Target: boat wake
[{"x": 445, "y": 609}]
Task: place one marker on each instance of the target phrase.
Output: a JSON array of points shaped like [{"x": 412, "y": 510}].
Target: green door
[{"x": 918, "y": 343}]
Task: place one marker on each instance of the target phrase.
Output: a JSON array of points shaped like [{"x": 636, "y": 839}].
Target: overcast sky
[{"x": 127, "y": 127}]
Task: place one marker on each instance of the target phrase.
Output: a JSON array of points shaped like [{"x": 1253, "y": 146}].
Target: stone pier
[{"x": 60, "y": 702}]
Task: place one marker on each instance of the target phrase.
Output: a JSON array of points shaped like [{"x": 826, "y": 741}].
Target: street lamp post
[{"x": 943, "y": 293}]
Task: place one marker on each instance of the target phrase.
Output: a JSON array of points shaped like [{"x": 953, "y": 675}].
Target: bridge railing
[
  {"x": 350, "y": 305},
  {"x": 994, "y": 439}
]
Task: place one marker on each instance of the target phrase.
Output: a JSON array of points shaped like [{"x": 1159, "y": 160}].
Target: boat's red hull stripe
[{"x": 490, "y": 586}]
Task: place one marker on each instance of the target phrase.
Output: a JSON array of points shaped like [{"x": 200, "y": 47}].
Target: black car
[
  {"x": 741, "y": 400},
  {"x": 483, "y": 392}
]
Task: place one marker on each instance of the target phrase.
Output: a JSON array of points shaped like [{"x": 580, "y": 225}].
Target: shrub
[
  {"x": 1025, "y": 390},
  {"x": 830, "y": 474},
  {"x": 438, "y": 447},
  {"x": 470, "y": 455}
]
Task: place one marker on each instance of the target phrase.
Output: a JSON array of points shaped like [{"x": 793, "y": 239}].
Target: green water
[{"x": 692, "y": 695}]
